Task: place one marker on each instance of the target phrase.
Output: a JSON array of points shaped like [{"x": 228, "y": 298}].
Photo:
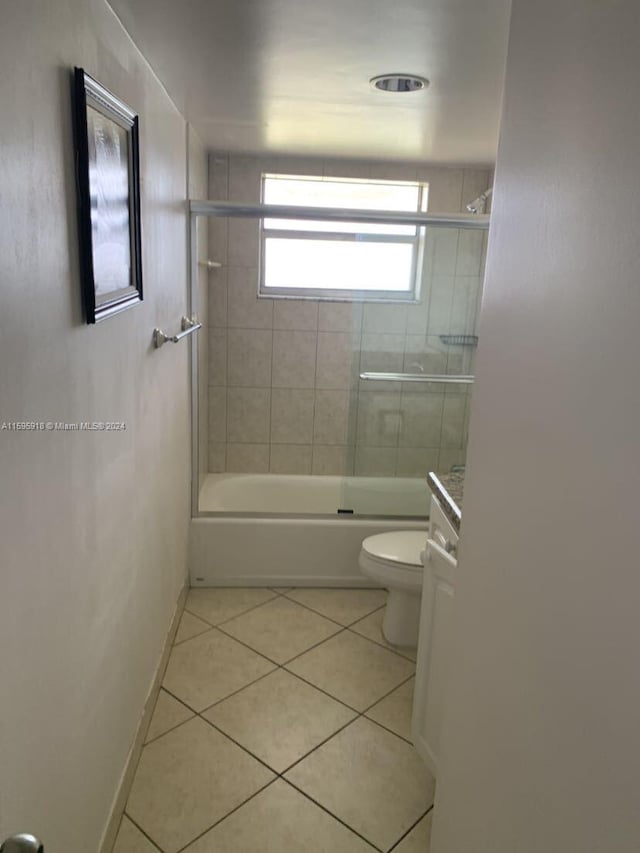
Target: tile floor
[{"x": 283, "y": 725}]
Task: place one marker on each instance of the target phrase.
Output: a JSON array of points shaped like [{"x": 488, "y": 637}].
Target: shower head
[{"x": 478, "y": 204}]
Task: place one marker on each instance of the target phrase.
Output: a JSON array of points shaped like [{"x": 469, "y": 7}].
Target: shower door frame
[{"x": 472, "y": 221}]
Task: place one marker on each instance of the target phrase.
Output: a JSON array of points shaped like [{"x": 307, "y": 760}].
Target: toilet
[{"x": 394, "y": 561}]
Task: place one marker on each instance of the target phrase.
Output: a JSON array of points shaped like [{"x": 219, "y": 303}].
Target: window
[{"x": 341, "y": 260}]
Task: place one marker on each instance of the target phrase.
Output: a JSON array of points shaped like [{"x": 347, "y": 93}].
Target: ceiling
[{"x": 292, "y": 76}]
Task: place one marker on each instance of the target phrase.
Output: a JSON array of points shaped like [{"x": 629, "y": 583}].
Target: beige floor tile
[
  {"x": 222, "y": 603},
  {"x": 279, "y": 820},
  {"x": 279, "y": 718},
  {"x": 210, "y": 667},
  {"x": 371, "y": 628},
  {"x": 280, "y": 629},
  {"x": 394, "y": 711},
  {"x": 167, "y": 714},
  {"x": 418, "y": 840},
  {"x": 352, "y": 669},
  {"x": 131, "y": 840},
  {"x": 342, "y": 605},
  {"x": 369, "y": 778},
  {"x": 190, "y": 626},
  {"x": 189, "y": 779}
]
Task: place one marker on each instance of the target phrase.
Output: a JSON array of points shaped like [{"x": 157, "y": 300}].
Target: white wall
[
  {"x": 93, "y": 526},
  {"x": 542, "y": 747}
]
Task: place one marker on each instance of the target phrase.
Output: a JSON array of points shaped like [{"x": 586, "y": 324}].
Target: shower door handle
[{"x": 22, "y": 843}]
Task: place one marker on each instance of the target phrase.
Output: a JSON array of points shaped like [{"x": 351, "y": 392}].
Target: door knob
[{"x": 22, "y": 843}]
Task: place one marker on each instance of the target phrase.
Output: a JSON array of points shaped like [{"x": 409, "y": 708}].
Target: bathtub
[{"x": 285, "y": 530}]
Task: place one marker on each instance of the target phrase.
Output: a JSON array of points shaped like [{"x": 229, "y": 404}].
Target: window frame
[{"x": 410, "y": 296}]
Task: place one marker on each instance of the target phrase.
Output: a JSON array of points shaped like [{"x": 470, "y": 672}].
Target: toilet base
[{"x": 402, "y": 618}]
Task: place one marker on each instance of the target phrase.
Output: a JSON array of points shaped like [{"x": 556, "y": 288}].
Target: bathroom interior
[
  {"x": 373, "y": 244},
  {"x": 333, "y": 373},
  {"x": 333, "y": 294}
]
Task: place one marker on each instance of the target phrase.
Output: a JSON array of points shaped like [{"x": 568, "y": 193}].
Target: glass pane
[
  {"x": 402, "y": 430},
  {"x": 337, "y": 265},
  {"x": 346, "y": 194},
  {"x": 333, "y": 192}
]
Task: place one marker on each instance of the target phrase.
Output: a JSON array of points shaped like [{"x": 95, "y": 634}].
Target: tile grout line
[
  {"x": 125, "y": 813},
  {"x": 291, "y": 600},
  {"x": 319, "y": 613},
  {"x": 359, "y": 715},
  {"x": 335, "y": 817},
  {"x": 282, "y": 667},
  {"x": 275, "y": 662},
  {"x": 236, "y": 615},
  {"x": 381, "y": 645},
  {"x": 280, "y": 775},
  {"x": 193, "y": 636},
  {"x": 240, "y": 746},
  {"x": 318, "y": 745},
  {"x": 388, "y": 693},
  {"x": 173, "y": 728},
  {"x": 239, "y": 690},
  {"x": 410, "y": 830},
  {"x": 228, "y": 814},
  {"x": 287, "y": 662}
]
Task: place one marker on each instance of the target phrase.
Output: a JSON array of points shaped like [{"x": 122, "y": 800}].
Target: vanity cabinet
[{"x": 438, "y": 590}]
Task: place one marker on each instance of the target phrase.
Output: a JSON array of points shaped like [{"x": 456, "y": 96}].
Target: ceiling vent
[{"x": 399, "y": 82}]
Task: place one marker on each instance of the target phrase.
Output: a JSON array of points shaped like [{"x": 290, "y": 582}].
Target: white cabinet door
[{"x": 433, "y": 646}]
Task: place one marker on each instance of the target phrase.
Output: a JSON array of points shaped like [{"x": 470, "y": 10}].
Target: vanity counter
[{"x": 449, "y": 489}]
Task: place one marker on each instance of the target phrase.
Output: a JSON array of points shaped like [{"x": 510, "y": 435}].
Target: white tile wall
[
  {"x": 412, "y": 459},
  {"x": 333, "y": 410},
  {"x": 242, "y": 241},
  {"x": 300, "y": 314},
  {"x": 248, "y": 414},
  {"x": 217, "y": 356},
  {"x": 292, "y": 416},
  {"x": 217, "y": 457},
  {"x": 421, "y": 419},
  {"x": 218, "y": 296},
  {"x": 248, "y": 458},
  {"x": 217, "y": 414},
  {"x": 249, "y": 357},
  {"x": 379, "y": 418},
  {"x": 245, "y": 310},
  {"x": 285, "y": 395},
  {"x": 294, "y": 359},
  {"x": 338, "y": 360},
  {"x": 384, "y": 318},
  {"x": 453, "y": 421},
  {"x": 340, "y": 317},
  {"x": 332, "y": 459},
  {"x": 375, "y": 461},
  {"x": 290, "y": 459}
]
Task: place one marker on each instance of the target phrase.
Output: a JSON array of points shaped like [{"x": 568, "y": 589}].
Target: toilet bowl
[{"x": 393, "y": 560}]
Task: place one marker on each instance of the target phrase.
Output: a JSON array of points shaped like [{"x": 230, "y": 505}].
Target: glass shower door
[{"x": 400, "y": 430}]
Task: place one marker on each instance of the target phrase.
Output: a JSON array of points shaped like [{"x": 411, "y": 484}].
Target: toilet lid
[{"x": 401, "y": 546}]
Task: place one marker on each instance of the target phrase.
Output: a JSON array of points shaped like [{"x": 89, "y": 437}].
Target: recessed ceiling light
[{"x": 399, "y": 82}]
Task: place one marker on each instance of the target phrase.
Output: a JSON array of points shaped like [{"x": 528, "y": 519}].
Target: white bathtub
[
  {"x": 254, "y": 531},
  {"x": 292, "y": 494}
]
